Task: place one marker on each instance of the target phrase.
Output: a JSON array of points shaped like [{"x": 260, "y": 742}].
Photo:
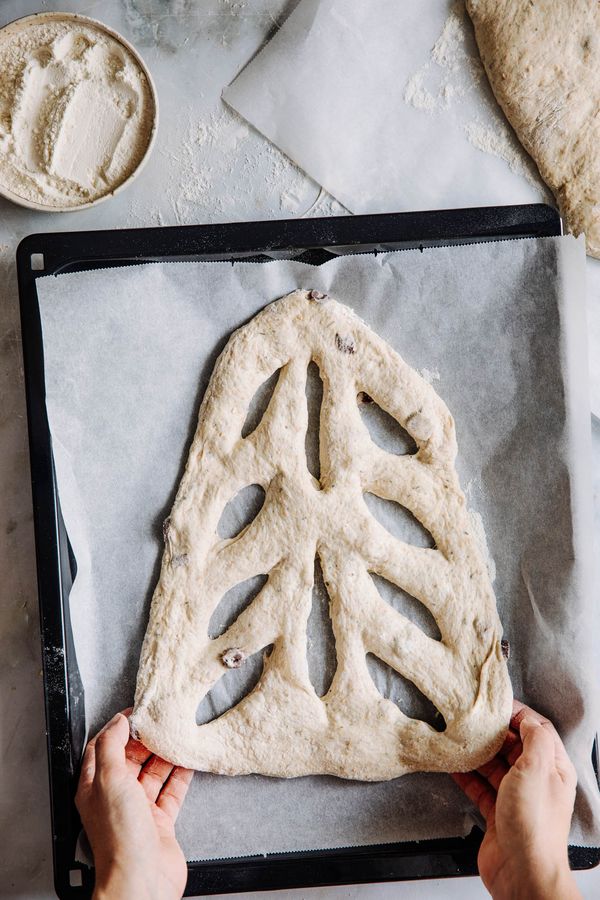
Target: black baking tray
[{"x": 313, "y": 241}]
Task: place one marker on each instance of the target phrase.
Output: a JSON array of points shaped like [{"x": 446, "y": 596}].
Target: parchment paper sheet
[
  {"x": 352, "y": 93},
  {"x": 387, "y": 105},
  {"x": 592, "y": 272},
  {"x": 500, "y": 329}
]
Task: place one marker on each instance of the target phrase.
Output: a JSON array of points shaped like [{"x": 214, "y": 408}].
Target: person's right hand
[{"x": 526, "y": 795}]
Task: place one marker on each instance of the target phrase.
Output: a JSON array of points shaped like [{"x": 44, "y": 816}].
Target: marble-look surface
[{"x": 207, "y": 166}]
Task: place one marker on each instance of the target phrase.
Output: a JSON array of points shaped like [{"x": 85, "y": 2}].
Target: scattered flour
[
  {"x": 453, "y": 72},
  {"x": 224, "y": 148},
  {"x": 501, "y": 142},
  {"x": 224, "y": 170},
  {"x": 430, "y": 375},
  {"x": 473, "y": 487},
  {"x": 417, "y": 95},
  {"x": 470, "y": 487},
  {"x": 449, "y": 51},
  {"x": 480, "y": 537}
]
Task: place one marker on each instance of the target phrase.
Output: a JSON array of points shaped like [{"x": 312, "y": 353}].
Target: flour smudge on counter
[{"x": 204, "y": 154}]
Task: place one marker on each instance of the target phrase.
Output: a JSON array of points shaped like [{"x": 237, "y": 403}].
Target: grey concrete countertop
[{"x": 207, "y": 166}]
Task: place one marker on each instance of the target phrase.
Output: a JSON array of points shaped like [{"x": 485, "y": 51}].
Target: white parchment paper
[
  {"x": 387, "y": 106},
  {"x": 499, "y": 329},
  {"x": 593, "y": 321}
]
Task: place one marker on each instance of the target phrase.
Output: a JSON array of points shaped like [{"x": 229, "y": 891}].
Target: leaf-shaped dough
[{"x": 282, "y": 727}]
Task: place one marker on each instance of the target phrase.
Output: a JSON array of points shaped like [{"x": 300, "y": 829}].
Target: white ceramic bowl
[{"x": 19, "y": 25}]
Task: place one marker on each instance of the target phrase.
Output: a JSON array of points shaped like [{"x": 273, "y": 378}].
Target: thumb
[
  {"x": 111, "y": 742},
  {"x": 538, "y": 744}
]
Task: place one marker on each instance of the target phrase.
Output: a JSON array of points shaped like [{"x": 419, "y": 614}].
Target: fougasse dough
[
  {"x": 282, "y": 728},
  {"x": 543, "y": 62}
]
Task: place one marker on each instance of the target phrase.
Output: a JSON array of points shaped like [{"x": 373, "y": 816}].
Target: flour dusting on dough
[
  {"x": 481, "y": 538},
  {"x": 430, "y": 375}
]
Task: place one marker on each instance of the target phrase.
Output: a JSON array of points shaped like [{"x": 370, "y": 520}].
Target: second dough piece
[{"x": 543, "y": 61}]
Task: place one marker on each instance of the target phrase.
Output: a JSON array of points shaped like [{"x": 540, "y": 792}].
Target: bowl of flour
[{"x": 78, "y": 112}]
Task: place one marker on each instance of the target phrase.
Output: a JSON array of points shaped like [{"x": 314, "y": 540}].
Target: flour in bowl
[{"x": 77, "y": 111}]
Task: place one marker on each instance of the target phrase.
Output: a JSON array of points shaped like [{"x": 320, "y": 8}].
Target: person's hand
[
  {"x": 526, "y": 795},
  {"x": 128, "y": 800}
]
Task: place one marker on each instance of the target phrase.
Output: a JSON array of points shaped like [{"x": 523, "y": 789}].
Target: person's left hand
[{"x": 128, "y": 800}]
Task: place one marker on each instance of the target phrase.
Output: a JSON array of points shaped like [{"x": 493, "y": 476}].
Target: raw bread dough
[
  {"x": 543, "y": 62},
  {"x": 282, "y": 727}
]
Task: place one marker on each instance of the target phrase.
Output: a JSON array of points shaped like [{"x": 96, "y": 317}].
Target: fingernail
[{"x": 110, "y": 722}]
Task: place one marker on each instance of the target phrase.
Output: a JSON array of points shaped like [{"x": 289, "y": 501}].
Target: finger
[
  {"x": 88, "y": 767},
  {"x": 88, "y": 763},
  {"x": 109, "y": 745},
  {"x": 479, "y": 792},
  {"x": 517, "y": 706},
  {"x": 154, "y": 775},
  {"x": 92, "y": 742},
  {"x": 135, "y": 752},
  {"x": 512, "y": 747},
  {"x": 137, "y": 755},
  {"x": 511, "y": 740},
  {"x": 173, "y": 793},
  {"x": 520, "y": 712},
  {"x": 561, "y": 758},
  {"x": 538, "y": 745},
  {"x": 525, "y": 712},
  {"x": 494, "y": 771},
  {"x": 514, "y": 754}
]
